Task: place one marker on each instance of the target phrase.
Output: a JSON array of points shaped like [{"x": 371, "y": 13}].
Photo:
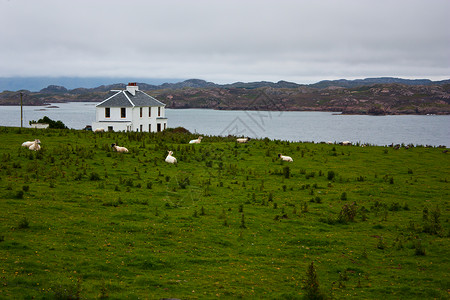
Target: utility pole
[{"x": 21, "y": 111}]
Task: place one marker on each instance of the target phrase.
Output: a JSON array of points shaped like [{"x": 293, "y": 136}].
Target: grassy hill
[{"x": 229, "y": 220}]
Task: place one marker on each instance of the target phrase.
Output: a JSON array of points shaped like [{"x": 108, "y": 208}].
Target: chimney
[{"x": 132, "y": 88}]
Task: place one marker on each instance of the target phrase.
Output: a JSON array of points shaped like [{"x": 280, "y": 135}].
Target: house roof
[{"x": 126, "y": 99}]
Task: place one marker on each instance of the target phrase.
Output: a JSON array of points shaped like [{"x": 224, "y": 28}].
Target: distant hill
[
  {"x": 375, "y": 96},
  {"x": 371, "y": 81},
  {"x": 35, "y": 84}
]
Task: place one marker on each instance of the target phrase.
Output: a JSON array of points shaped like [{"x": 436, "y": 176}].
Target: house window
[
  {"x": 158, "y": 127},
  {"x": 149, "y": 127},
  {"x": 149, "y": 112},
  {"x": 123, "y": 112},
  {"x": 159, "y": 111},
  {"x": 110, "y": 128},
  {"x": 140, "y": 112},
  {"x": 165, "y": 124},
  {"x": 141, "y": 126},
  {"x": 107, "y": 112}
]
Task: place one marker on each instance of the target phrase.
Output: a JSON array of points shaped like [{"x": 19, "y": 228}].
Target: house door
[{"x": 158, "y": 127}]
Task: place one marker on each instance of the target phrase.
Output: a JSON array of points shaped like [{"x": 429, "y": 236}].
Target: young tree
[{"x": 312, "y": 284}]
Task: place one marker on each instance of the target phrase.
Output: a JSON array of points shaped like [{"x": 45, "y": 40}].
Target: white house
[
  {"x": 39, "y": 125},
  {"x": 130, "y": 110}
]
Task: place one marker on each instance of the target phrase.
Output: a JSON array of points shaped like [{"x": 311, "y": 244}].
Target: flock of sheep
[{"x": 35, "y": 146}]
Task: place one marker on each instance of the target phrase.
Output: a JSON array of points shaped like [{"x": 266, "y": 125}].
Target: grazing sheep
[
  {"x": 28, "y": 143},
  {"x": 119, "y": 149},
  {"x": 99, "y": 130},
  {"x": 35, "y": 146},
  {"x": 243, "y": 140},
  {"x": 197, "y": 141},
  {"x": 285, "y": 158},
  {"x": 170, "y": 159}
]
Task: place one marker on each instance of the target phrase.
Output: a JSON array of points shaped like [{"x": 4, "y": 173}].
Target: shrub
[
  {"x": 286, "y": 172},
  {"x": 395, "y": 206},
  {"x": 304, "y": 207},
  {"x": 243, "y": 222},
  {"x": 381, "y": 245},
  {"x": 433, "y": 225},
  {"x": 344, "y": 196},
  {"x": 348, "y": 213},
  {"x": 311, "y": 284},
  {"x": 23, "y": 224},
  {"x": 94, "y": 176},
  {"x": 331, "y": 175},
  {"x": 52, "y": 124},
  {"x": 19, "y": 195},
  {"x": 420, "y": 250}
]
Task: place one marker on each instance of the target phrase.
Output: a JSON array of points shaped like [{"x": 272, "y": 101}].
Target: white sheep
[
  {"x": 35, "y": 146},
  {"x": 119, "y": 149},
  {"x": 170, "y": 159},
  {"x": 243, "y": 140},
  {"x": 345, "y": 143},
  {"x": 285, "y": 158},
  {"x": 197, "y": 141},
  {"x": 99, "y": 130},
  {"x": 28, "y": 143}
]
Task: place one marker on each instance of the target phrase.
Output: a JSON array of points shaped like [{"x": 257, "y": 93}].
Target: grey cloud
[{"x": 226, "y": 41}]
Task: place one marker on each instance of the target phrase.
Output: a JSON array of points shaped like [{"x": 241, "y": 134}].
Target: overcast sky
[{"x": 225, "y": 41}]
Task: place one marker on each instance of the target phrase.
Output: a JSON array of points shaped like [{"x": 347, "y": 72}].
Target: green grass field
[{"x": 79, "y": 221}]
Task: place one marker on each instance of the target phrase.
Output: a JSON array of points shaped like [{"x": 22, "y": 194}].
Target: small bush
[
  {"x": 311, "y": 284},
  {"x": 19, "y": 195},
  {"x": 243, "y": 222},
  {"x": 24, "y": 224},
  {"x": 286, "y": 172},
  {"x": 420, "y": 250},
  {"x": 94, "y": 176},
  {"x": 381, "y": 244},
  {"x": 331, "y": 175},
  {"x": 348, "y": 213}
]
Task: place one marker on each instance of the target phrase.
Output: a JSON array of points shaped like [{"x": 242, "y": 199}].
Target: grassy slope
[{"x": 130, "y": 225}]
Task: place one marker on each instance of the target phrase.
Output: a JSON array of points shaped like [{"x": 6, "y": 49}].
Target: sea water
[{"x": 292, "y": 126}]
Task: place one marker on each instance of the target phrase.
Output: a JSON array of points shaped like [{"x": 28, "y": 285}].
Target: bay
[{"x": 292, "y": 126}]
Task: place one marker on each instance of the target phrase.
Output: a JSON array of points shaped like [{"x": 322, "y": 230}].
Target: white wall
[{"x": 133, "y": 118}]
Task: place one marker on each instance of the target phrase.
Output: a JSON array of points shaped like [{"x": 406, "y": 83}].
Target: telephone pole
[{"x": 21, "y": 111}]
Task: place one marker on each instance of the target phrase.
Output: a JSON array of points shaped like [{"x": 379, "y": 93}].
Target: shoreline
[{"x": 334, "y": 111}]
